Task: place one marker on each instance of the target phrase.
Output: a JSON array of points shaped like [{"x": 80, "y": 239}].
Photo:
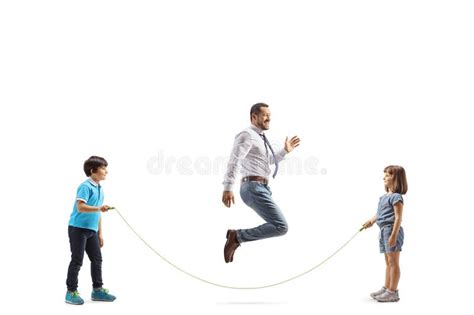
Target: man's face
[{"x": 262, "y": 118}]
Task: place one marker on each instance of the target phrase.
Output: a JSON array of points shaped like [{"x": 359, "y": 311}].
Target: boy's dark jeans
[{"x": 82, "y": 240}]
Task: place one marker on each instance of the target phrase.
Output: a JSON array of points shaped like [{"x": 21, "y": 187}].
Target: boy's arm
[
  {"x": 101, "y": 239},
  {"x": 398, "y": 208},
  {"x": 83, "y": 207}
]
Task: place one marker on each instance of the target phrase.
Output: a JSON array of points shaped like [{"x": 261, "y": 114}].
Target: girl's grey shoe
[
  {"x": 388, "y": 297},
  {"x": 374, "y": 294}
]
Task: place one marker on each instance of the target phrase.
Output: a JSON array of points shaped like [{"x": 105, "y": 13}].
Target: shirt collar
[
  {"x": 256, "y": 129},
  {"x": 93, "y": 182}
]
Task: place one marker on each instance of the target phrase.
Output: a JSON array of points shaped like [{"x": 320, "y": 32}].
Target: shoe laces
[{"x": 75, "y": 294}]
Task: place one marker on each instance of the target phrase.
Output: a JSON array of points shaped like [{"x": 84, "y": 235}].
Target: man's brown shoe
[{"x": 230, "y": 245}]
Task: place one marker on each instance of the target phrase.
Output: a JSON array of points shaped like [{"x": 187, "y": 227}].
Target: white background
[{"x": 363, "y": 83}]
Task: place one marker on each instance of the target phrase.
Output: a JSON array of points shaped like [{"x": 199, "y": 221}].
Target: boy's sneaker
[
  {"x": 374, "y": 294},
  {"x": 74, "y": 298},
  {"x": 388, "y": 296},
  {"x": 102, "y": 295}
]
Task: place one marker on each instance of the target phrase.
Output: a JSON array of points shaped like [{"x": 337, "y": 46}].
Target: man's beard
[{"x": 263, "y": 127}]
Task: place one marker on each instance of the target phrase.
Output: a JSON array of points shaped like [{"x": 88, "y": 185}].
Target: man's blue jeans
[{"x": 258, "y": 196}]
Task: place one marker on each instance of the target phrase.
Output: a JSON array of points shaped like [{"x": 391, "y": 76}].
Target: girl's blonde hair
[{"x": 399, "y": 183}]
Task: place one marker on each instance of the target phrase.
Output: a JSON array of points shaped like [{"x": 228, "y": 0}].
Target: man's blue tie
[{"x": 267, "y": 145}]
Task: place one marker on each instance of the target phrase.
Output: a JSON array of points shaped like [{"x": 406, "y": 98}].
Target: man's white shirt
[{"x": 251, "y": 155}]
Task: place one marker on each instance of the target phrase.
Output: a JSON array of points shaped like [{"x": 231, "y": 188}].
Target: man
[{"x": 253, "y": 152}]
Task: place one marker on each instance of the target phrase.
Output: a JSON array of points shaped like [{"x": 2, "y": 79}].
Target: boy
[{"x": 85, "y": 233}]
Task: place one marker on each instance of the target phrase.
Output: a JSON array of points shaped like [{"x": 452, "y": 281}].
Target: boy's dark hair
[
  {"x": 93, "y": 163},
  {"x": 400, "y": 184},
  {"x": 255, "y": 109}
]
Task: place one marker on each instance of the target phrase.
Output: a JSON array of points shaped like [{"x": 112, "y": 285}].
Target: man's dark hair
[
  {"x": 93, "y": 163},
  {"x": 256, "y": 108}
]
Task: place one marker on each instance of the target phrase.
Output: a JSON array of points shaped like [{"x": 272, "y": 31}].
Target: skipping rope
[{"x": 269, "y": 285}]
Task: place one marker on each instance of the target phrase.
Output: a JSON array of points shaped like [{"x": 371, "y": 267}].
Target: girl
[{"x": 389, "y": 219}]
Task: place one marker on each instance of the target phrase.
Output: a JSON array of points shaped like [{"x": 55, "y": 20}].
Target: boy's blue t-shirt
[
  {"x": 91, "y": 193},
  {"x": 385, "y": 211}
]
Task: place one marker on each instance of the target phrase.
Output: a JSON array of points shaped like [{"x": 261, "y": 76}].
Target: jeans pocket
[
  {"x": 247, "y": 192},
  {"x": 260, "y": 188}
]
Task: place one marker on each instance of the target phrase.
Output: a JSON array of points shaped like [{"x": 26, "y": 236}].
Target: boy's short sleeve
[
  {"x": 83, "y": 193},
  {"x": 396, "y": 198}
]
